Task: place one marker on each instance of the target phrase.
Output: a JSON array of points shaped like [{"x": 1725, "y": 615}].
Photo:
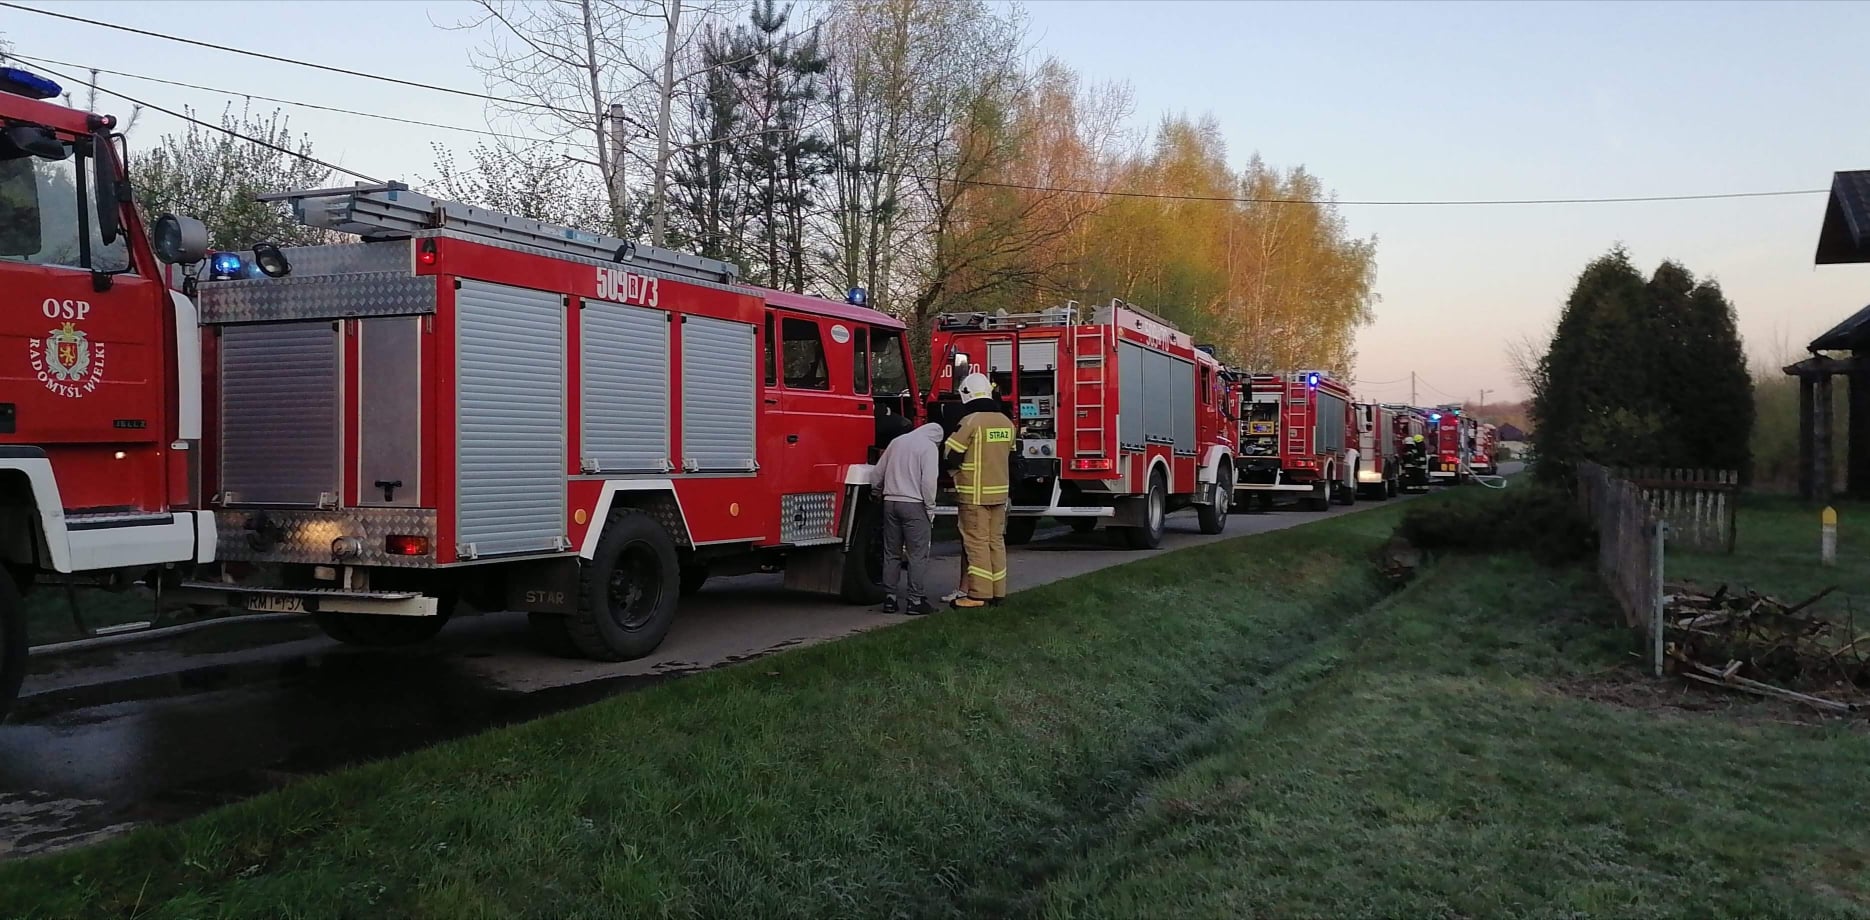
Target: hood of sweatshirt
[{"x": 931, "y": 432}]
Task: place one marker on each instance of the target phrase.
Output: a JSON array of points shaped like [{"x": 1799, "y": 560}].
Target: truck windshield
[{"x": 43, "y": 214}]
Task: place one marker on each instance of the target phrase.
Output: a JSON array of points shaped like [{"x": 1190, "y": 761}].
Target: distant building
[{"x": 1511, "y": 433}]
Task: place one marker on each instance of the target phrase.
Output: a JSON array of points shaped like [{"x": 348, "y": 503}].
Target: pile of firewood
[{"x": 1760, "y": 645}]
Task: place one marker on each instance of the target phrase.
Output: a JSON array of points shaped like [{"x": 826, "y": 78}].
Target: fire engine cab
[
  {"x": 1297, "y": 435},
  {"x": 100, "y": 422},
  {"x": 468, "y": 406},
  {"x": 1120, "y": 416}
]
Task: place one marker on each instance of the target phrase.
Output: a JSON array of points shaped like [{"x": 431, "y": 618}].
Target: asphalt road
[{"x": 104, "y": 741}]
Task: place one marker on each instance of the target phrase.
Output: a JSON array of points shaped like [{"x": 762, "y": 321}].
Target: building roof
[
  {"x": 1850, "y": 335},
  {"x": 1845, "y": 236},
  {"x": 1511, "y": 433}
]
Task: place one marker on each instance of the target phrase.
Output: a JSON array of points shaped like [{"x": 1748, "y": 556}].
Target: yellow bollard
[{"x": 1828, "y": 541}]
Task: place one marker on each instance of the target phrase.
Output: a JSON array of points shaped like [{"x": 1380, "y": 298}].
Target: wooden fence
[
  {"x": 1630, "y": 532},
  {"x": 1698, "y": 505}
]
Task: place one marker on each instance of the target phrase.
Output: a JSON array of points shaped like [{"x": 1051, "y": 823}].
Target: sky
[{"x": 1382, "y": 101}]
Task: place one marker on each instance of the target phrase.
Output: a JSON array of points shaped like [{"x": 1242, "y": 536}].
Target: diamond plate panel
[
  {"x": 305, "y": 537},
  {"x": 807, "y": 516},
  {"x": 316, "y": 297}
]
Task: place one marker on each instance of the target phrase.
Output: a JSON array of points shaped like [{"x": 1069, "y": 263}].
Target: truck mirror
[
  {"x": 104, "y": 189},
  {"x": 180, "y": 240},
  {"x": 19, "y": 208}
]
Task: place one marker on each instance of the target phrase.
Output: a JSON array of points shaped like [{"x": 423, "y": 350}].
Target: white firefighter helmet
[{"x": 975, "y": 387}]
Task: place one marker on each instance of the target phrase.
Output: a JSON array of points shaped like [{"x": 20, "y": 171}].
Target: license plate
[{"x": 275, "y": 603}]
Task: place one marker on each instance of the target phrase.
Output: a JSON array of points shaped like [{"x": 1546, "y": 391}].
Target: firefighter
[
  {"x": 980, "y": 453},
  {"x": 1415, "y": 461}
]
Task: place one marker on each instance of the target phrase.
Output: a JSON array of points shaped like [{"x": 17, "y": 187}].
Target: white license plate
[{"x": 275, "y": 603}]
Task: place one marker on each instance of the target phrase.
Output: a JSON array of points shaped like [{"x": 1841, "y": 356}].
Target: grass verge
[
  {"x": 1246, "y": 729},
  {"x": 944, "y": 767}
]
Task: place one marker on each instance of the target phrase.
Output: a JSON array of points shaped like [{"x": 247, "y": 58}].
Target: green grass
[
  {"x": 1776, "y": 545},
  {"x": 1250, "y": 728},
  {"x": 935, "y": 768}
]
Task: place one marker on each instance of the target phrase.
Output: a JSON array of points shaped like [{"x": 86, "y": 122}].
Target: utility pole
[
  {"x": 1412, "y": 401},
  {"x": 659, "y": 207},
  {"x": 1483, "y": 397}
]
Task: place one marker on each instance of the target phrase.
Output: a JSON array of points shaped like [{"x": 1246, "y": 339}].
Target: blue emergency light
[
  {"x": 225, "y": 265},
  {"x": 1434, "y": 416},
  {"x": 1311, "y": 380},
  {"x": 857, "y": 297},
  {"x": 22, "y": 83}
]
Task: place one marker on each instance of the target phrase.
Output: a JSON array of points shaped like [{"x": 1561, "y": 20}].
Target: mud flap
[{"x": 543, "y": 586}]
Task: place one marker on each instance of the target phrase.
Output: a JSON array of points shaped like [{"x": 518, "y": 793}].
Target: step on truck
[
  {"x": 461, "y": 406},
  {"x": 1120, "y": 417},
  {"x": 1379, "y": 466},
  {"x": 1298, "y": 436},
  {"x": 100, "y": 383}
]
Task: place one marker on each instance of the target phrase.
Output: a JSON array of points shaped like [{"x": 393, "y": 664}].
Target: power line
[
  {"x": 275, "y": 58},
  {"x": 982, "y": 183},
  {"x": 292, "y": 102},
  {"x": 226, "y": 130}
]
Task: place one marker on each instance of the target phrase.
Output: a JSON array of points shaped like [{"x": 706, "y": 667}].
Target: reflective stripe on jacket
[{"x": 985, "y": 442}]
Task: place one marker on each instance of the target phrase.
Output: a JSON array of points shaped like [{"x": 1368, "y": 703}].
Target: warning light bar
[
  {"x": 24, "y": 83},
  {"x": 1094, "y": 465}
]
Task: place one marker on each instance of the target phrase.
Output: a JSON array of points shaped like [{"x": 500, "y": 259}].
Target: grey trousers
[{"x": 907, "y": 533}]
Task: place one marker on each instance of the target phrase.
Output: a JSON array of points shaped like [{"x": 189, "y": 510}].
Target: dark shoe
[
  {"x": 996, "y": 602},
  {"x": 920, "y": 609},
  {"x": 889, "y": 607},
  {"x": 969, "y": 603}
]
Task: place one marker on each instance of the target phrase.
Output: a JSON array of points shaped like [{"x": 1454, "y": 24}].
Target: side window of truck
[
  {"x": 771, "y": 345},
  {"x": 860, "y": 360},
  {"x": 804, "y": 350}
]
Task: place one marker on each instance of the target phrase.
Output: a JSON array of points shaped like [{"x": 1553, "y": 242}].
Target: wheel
[
  {"x": 1320, "y": 498},
  {"x": 1343, "y": 494},
  {"x": 374, "y": 630},
  {"x": 693, "y": 577},
  {"x": 1156, "y": 513},
  {"x": 863, "y": 564},
  {"x": 1213, "y": 515},
  {"x": 1019, "y": 530},
  {"x": 627, "y": 592},
  {"x": 12, "y": 644},
  {"x": 1083, "y": 525},
  {"x": 551, "y": 634}
]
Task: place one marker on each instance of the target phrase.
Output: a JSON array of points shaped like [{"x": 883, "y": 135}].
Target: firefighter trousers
[{"x": 983, "y": 543}]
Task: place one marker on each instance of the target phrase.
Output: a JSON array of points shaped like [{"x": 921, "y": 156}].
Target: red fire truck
[
  {"x": 1120, "y": 416},
  {"x": 471, "y": 406},
  {"x": 1379, "y": 469},
  {"x": 1451, "y": 445},
  {"x": 461, "y": 406},
  {"x": 1297, "y": 435},
  {"x": 100, "y": 418},
  {"x": 1409, "y": 422},
  {"x": 1486, "y": 436}
]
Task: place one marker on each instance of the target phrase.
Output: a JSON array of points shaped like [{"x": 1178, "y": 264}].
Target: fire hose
[{"x": 1491, "y": 481}]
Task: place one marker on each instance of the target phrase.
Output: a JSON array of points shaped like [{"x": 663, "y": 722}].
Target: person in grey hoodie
[{"x": 905, "y": 476}]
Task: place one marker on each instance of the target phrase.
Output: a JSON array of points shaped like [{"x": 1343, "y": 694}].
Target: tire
[
  {"x": 1155, "y": 516},
  {"x": 1344, "y": 495},
  {"x": 1213, "y": 516},
  {"x": 1082, "y": 525},
  {"x": 372, "y": 630},
  {"x": 1320, "y": 499},
  {"x": 551, "y": 634},
  {"x": 693, "y": 577},
  {"x": 12, "y": 644},
  {"x": 1019, "y": 530},
  {"x": 627, "y": 592},
  {"x": 862, "y": 581}
]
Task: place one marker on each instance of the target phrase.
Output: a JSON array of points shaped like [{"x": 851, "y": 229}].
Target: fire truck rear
[
  {"x": 1120, "y": 417},
  {"x": 1409, "y": 424},
  {"x": 1486, "y": 437},
  {"x": 465, "y": 406},
  {"x": 99, "y": 370},
  {"x": 1379, "y": 471},
  {"x": 1297, "y": 434},
  {"x": 1451, "y": 445}
]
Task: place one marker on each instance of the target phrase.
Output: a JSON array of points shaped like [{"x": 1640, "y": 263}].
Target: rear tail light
[
  {"x": 397, "y": 544},
  {"x": 1094, "y": 465}
]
